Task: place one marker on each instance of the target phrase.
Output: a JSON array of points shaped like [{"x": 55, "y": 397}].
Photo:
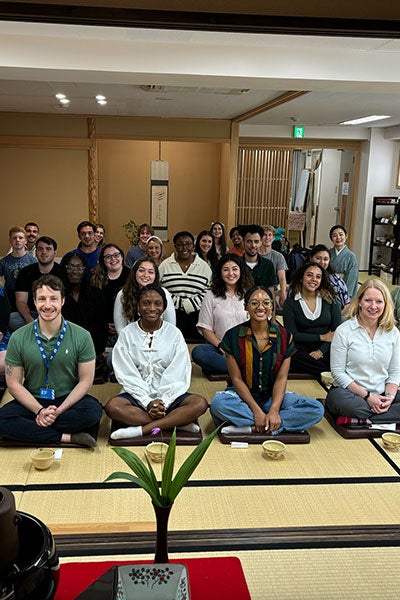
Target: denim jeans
[
  {"x": 209, "y": 359},
  {"x": 296, "y": 412}
]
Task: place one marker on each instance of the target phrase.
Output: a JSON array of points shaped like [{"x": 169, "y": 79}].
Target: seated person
[
  {"x": 88, "y": 247},
  {"x": 85, "y": 306},
  {"x": 144, "y": 232},
  {"x": 218, "y": 233},
  {"x": 110, "y": 276},
  {"x": 144, "y": 272},
  {"x": 205, "y": 248},
  {"x": 311, "y": 313},
  {"x": 151, "y": 361},
  {"x": 46, "y": 248},
  {"x": 187, "y": 277},
  {"x": 49, "y": 372},
  {"x": 221, "y": 309},
  {"x": 4, "y": 332},
  {"x": 258, "y": 355},
  {"x": 365, "y": 359},
  {"x": 320, "y": 254},
  {"x": 12, "y": 263},
  {"x": 277, "y": 260},
  {"x": 237, "y": 241},
  {"x": 99, "y": 233},
  {"x": 343, "y": 261},
  {"x": 155, "y": 249}
]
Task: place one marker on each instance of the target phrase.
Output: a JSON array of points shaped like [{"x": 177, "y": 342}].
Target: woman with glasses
[
  {"x": 187, "y": 277},
  {"x": 84, "y": 305},
  {"x": 221, "y": 309},
  {"x": 110, "y": 276},
  {"x": 258, "y": 354},
  {"x": 311, "y": 313},
  {"x": 144, "y": 272}
]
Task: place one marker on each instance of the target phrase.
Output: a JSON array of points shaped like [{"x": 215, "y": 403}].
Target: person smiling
[
  {"x": 312, "y": 314},
  {"x": 258, "y": 354},
  {"x": 221, "y": 309},
  {"x": 151, "y": 361},
  {"x": 49, "y": 371},
  {"x": 365, "y": 359},
  {"x": 343, "y": 261}
]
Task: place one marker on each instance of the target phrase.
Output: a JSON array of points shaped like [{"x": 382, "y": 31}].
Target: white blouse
[{"x": 151, "y": 366}]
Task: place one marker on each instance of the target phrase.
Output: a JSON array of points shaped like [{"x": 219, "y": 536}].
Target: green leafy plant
[
  {"x": 132, "y": 232},
  {"x": 170, "y": 486}
]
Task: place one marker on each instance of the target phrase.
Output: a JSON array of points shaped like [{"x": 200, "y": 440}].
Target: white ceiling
[{"x": 346, "y": 77}]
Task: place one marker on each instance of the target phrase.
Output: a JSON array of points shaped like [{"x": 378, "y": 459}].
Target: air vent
[{"x": 193, "y": 90}]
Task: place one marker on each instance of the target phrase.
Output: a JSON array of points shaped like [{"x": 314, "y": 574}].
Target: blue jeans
[
  {"x": 209, "y": 359},
  {"x": 296, "y": 412}
]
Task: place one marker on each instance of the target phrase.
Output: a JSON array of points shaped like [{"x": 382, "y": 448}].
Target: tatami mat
[
  {"x": 317, "y": 574},
  {"x": 226, "y": 507}
]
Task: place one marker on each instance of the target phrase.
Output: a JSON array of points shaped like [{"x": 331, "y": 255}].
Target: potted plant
[
  {"x": 131, "y": 232},
  {"x": 162, "y": 494}
]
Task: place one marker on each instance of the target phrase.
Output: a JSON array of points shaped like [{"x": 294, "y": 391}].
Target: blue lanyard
[{"x": 46, "y": 360}]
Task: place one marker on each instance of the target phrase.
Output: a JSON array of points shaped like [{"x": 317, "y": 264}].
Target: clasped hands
[
  {"x": 267, "y": 422},
  {"x": 378, "y": 403},
  {"x": 47, "y": 416},
  {"x": 156, "y": 409}
]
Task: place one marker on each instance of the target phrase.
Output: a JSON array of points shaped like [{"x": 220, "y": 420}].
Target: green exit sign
[{"x": 298, "y": 132}]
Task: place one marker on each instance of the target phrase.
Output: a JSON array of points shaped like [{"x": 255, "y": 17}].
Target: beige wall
[
  {"x": 45, "y": 186},
  {"x": 124, "y": 185}
]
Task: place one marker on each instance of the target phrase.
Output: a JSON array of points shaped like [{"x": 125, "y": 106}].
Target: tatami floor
[{"x": 321, "y": 523}]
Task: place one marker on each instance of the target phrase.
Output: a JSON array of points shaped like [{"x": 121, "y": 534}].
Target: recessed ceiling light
[
  {"x": 64, "y": 101},
  {"x": 368, "y": 119},
  {"x": 60, "y": 96},
  {"x": 100, "y": 97},
  {"x": 102, "y": 102}
]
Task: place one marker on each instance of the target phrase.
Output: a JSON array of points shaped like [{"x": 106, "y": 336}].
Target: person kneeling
[
  {"x": 258, "y": 357},
  {"x": 49, "y": 371},
  {"x": 152, "y": 362}
]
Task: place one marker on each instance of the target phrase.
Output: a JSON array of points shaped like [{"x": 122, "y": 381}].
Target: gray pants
[{"x": 342, "y": 402}]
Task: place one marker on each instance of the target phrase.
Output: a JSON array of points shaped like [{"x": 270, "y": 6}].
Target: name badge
[{"x": 47, "y": 393}]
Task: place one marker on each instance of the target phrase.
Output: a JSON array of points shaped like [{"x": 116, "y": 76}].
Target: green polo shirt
[{"x": 23, "y": 351}]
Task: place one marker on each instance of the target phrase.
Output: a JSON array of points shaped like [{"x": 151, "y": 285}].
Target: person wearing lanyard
[{"x": 49, "y": 372}]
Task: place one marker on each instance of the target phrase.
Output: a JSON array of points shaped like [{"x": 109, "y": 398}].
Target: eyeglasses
[
  {"x": 79, "y": 268},
  {"x": 110, "y": 256},
  {"x": 257, "y": 303}
]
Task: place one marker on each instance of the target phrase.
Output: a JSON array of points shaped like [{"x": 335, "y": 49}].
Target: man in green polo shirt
[{"x": 49, "y": 372}]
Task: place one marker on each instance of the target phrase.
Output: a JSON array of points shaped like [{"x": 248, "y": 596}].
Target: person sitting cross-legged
[
  {"x": 258, "y": 354},
  {"x": 49, "y": 372},
  {"x": 151, "y": 361}
]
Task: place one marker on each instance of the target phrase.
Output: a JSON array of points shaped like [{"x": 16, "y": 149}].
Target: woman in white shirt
[
  {"x": 365, "y": 359},
  {"x": 151, "y": 361},
  {"x": 222, "y": 308},
  {"x": 144, "y": 272}
]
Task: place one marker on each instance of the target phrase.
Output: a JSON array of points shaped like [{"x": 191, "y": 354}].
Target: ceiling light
[
  {"x": 60, "y": 96},
  {"x": 368, "y": 119},
  {"x": 100, "y": 97},
  {"x": 102, "y": 102},
  {"x": 64, "y": 101}
]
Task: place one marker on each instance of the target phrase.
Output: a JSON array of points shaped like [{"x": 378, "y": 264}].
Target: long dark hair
[
  {"x": 99, "y": 276},
  {"x": 245, "y": 281},
  {"x": 321, "y": 248},
  {"x": 222, "y": 240},
  {"x": 325, "y": 288},
  {"x": 212, "y": 255},
  {"x": 131, "y": 288}
]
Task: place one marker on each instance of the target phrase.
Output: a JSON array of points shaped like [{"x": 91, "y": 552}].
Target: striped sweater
[{"x": 186, "y": 288}]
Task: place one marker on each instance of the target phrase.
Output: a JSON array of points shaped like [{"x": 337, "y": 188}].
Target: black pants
[{"x": 187, "y": 325}]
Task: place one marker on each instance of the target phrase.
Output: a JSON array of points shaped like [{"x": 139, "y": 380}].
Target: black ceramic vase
[{"x": 162, "y": 516}]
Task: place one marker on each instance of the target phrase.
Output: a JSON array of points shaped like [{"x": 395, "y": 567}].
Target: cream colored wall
[
  {"x": 124, "y": 185},
  {"x": 47, "y": 186}
]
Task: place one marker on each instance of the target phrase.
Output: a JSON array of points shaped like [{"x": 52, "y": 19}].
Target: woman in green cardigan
[{"x": 312, "y": 314}]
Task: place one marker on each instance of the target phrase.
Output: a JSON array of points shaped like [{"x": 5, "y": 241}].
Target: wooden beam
[{"x": 282, "y": 99}]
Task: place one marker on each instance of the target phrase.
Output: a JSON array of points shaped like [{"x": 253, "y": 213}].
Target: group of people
[{"x": 148, "y": 307}]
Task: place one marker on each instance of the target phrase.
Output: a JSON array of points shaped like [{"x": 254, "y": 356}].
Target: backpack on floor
[{"x": 297, "y": 256}]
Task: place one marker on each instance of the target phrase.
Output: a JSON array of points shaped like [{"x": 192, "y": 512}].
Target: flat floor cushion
[
  {"x": 183, "y": 438},
  {"x": 292, "y": 437},
  {"x": 352, "y": 433}
]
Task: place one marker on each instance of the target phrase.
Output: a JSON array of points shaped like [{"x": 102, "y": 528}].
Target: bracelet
[
  {"x": 367, "y": 396},
  {"x": 40, "y": 410},
  {"x": 390, "y": 396}
]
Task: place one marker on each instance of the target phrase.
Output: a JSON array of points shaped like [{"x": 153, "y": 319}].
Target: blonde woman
[{"x": 365, "y": 359}]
